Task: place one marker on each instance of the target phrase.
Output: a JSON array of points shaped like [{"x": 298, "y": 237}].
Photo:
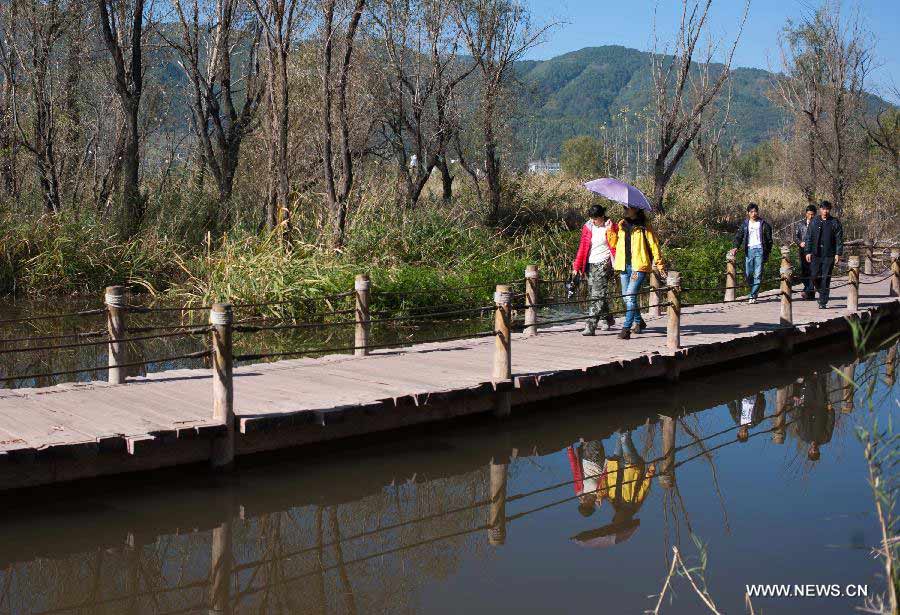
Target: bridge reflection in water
[{"x": 375, "y": 527}]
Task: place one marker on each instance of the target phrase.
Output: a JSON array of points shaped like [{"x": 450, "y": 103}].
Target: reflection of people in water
[
  {"x": 747, "y": 413},
  {"x": 814, "y": 421},
  {"x": 628, "y": 479},
  {"x": 625, "y": 482},
  {"x": 586, "y": 460}
]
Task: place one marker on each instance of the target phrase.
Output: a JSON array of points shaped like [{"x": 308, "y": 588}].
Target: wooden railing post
[
  {"x": 782, "y": 397},
  {"x": 787, "y": 304},
  {"x": 785, "y": 256},
  {"x": 673, "y": 330},
  {"x": 653, "y": 297},
  {"x": 730, "y": 278},
  {"x": 532, "y": 292},
  {"x": 870, "y": 255},
  {"x": 853, "y": 287},
  {"x": 221, "y": 568},
  {"x": 667, "y": 464},
  {"x": 895, "y": 269},
  {"x": 221, "y": 319},
  {"x": 848, "y": 387},
  {"x": 502, "y": 372},
  {"x": 497, "y": 521},
  {"x": 890, "y": 366},
  {"x": 115, "y": 325},
  {"x": 361, "y": 338}
]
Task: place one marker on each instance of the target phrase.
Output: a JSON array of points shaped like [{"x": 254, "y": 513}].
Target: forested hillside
[{"x": 575, "y": 93}]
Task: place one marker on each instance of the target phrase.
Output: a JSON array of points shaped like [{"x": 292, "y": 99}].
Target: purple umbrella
[{"x": 620, "y": 192}]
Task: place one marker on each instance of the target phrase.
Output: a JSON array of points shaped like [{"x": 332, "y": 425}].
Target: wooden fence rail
[{"x": 506, "y": 305}]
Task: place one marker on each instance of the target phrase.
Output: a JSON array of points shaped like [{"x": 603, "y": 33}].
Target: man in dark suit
[
  {"x": 809, "y": 292},
  {"x": 825, "y": 242}
]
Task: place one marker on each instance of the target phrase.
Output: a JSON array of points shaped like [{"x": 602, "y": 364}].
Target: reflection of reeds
[{"x": 881, "y": 447}]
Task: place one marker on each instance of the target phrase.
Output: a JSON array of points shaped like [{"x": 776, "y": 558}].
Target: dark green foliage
[{"x": 576, "y": 92}]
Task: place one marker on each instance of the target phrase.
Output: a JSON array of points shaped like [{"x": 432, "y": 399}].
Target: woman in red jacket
[{"x": 594, "y": 260}]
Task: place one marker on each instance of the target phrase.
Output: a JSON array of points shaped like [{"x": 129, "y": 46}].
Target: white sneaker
[
  {"x": 604, "y": 326},
  {"x": 751, "y": 300}
]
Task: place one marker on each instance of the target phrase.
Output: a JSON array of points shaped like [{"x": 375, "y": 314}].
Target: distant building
[{"x": 543, "y": 167}]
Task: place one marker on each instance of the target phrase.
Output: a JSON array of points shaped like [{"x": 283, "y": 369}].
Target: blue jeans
[
  {"x": 631, "y": 283},
  {"x": 753, "y": 266},
  {"x": 625, "y": 449}
]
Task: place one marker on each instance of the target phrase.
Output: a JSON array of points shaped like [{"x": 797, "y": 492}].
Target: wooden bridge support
[
  {"x": 673, "y": 329},
  {"x": 221, "y": 319},
  {"x": 730, "y": 278},
  {"x": 870, "y": 255},
  {"x": 361, "y": 337},
  {"x": 853, "y": 287},
  {"x": 787, "y": 305},
  {"x": 115, "y": 325},
  {"x": 502, "y": 372},
  {"x": 497, "y": 520},
  {"x": 895, "y": 270},
  {"x": 532, "y": 294}
]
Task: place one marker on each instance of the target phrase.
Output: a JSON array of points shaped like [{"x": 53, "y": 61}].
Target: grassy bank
[{"x": 429, "y": 248}]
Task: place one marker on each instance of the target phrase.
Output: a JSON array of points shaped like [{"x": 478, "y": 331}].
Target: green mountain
[{"x": 576, "y": 93}]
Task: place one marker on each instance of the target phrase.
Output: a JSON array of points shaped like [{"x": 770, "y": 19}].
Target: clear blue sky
[{"x": 591, "y": 23}]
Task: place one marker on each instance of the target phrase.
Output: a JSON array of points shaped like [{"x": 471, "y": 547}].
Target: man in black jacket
[
  {"x": 825, "y": 244},
  {"x": 754, "y": 237},
  {"x": 809, "y": 292}
]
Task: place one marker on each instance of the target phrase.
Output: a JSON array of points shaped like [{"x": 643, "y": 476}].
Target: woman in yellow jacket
[{"x": 636, "y": 251}]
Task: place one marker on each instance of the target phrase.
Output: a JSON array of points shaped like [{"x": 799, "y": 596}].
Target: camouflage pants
[{"x": 598, "y": 279}]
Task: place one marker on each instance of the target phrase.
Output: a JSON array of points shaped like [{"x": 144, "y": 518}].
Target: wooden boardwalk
[{"x": 81, "y": 430}]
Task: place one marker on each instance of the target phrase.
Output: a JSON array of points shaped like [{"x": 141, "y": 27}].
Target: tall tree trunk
[
  {"x": 132, "y": 203},
  {"x": 446, "y": 179},
  {"x": 8, "y": 144},
  {"x": 659, "y": 183},
  {"x": 283, "y": 184},
  {"x": 491, "y": 165}
]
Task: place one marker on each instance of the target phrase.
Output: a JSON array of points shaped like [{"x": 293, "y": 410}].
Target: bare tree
[
  {"x": 223, "y": 108},
  {"x": 844, "y": 50},
  {"x": 122, "y": 25},
  {"x": 497, "y": 34},
  {"x": 335, "y": 78},
  {"x": 798, "y": 90},
  {"x": 282, "y": 21},
  {"x": 713, "y": 150},
  {"x": 33, "y": 35},
  {"x": 421, "y": 44},
  {"x": 678, "y": 107},
  {"x": 883, "y": 130}
]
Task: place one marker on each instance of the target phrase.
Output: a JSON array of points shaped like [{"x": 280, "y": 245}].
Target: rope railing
[
  {"x": 99, "y": 368},
  {"x": 61, "y": 336},
  {"x": 198, "y": 331},
  {"x": 342, "y": 349},
  {"x": 518, "y": 307},
  {"x": 24, "y": 319}
]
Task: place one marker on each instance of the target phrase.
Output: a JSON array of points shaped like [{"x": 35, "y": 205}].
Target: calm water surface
[{"x": 491, "y": 517}]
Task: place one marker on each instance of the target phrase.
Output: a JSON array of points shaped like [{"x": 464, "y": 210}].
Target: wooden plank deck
[{"x": 87, "y": 429}]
